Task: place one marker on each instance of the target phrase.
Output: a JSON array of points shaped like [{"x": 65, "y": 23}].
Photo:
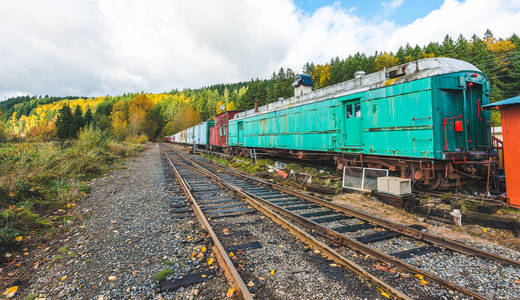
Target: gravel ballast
[{"x": 127, "y": 237}]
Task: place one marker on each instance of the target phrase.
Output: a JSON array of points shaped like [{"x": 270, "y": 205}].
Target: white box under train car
[
  {"x": 382, "y": 184},
  {"x": 399, "y": 186}
]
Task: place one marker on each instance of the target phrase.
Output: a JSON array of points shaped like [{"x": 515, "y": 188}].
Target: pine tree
[
  {"x": 64, "y": 123},
  {"x": 89, "y": 118},
  {"x": 77, "y": 122}
]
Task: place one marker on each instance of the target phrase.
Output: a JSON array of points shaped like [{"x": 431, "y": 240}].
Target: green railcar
[{"x": 422, "y": 111}]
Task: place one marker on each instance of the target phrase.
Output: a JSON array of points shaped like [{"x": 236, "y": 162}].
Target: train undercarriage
[{"x": 426, "y": 174}]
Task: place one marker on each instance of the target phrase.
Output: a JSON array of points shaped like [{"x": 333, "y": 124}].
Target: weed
[
  {"x": 63, "y": 249},
  {"x": 56, "y": 258},
  {"x": 31, "y": 297},
  {"x": 40, "y": 177},
  {"x": 163, "y": 274}
]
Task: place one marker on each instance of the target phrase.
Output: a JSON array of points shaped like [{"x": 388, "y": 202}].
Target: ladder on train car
[{"x": 252, "y": 153}]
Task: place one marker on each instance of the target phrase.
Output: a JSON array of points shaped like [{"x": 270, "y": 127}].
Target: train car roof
[{"x": 419, "y": 69}]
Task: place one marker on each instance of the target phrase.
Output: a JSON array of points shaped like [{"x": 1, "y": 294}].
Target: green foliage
[
  {"x": 38, "y": 178},
  {"x": 64, "y": 123},
  {"x": 163, "y": 274}
]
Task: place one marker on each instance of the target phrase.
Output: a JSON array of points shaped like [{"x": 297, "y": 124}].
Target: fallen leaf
[
  {"x": 261, "y": 278},
  {"x": 419, "y": 276},
  {"x": 230, "y": 292},
  {"x": 26, "y": 253},
  {"x": 381, "y": 268},
  {"x": 225, "y": 231},
  {"x": 272, "y": 272},
  {"x": 250, "y": 283},
  {"x": 317, "y": 251},
  {"x": 112, "y": 278},
  {"x": 517, "y": 281},
  {"x": 189, "y": 237},
  {"x": 11, "y": 274},
  {"x": 203, "y": 275},
  {"x": 203, "y": 249},
  {"x": 334, "y": 265},
  {"x": 36, "y": 264},
  {"x": 63, "y": 278},
  {"x": 135, "y": 272},
  {"x": 392, "y": 271},
  {"x": 195, "y": 292},
  {"x": 383, "y": 293},
  {"x": 231, "y": 254},
  {"x": 210, "y": 260},
  {"x": 18, "y": 238},
  {"x": 9, "y": 293},
  {"x": 423, "y": 282},
  {"x": 484, "y": 229}
]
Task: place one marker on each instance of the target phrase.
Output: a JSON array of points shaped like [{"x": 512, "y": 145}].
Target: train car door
[
  {"x": 240, "y": 132},
  {"x": 352, "y": 123}
]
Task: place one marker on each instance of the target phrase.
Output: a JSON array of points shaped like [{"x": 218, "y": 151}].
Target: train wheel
[{"x": 434, "y": 184}]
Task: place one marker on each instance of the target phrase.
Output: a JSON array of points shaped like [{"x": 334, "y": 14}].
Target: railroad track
[
  {"x": 213, "y": 204},
  {"x": 392, "y": 244}
]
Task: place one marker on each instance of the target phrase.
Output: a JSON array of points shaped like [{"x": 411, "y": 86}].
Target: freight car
[
  {"x": 421, "y": 120},
  {"x": 219, "y": 131},
  {"x": 202, "y": 133}
]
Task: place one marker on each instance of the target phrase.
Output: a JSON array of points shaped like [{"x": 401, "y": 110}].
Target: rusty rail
[
  {"x": 410, "y": 232},
  {"x": 339, "y": 239},
  {"x": 230, "y": 271},
  {"x": 328, "y": 252}
]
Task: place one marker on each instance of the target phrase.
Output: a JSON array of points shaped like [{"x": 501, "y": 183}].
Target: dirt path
[{"x": 127, "y": 237}]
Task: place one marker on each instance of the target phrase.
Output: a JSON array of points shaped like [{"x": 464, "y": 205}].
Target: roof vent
[{"x": 359, "y": 74}]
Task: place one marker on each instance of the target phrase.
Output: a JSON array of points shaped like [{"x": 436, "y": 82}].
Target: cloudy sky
[{"x": 109, "y": 47}]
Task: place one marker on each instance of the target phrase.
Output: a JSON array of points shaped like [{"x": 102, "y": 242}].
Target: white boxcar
[
  {"x": 189, "y": 135},
  {"x": 178, "y": 137},
  {"x": 197, "y": 132}
]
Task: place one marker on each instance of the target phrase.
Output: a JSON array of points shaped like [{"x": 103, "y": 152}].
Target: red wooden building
[
  {"x": 219, "y": 132},
  {"x": 510, "y": 113}
]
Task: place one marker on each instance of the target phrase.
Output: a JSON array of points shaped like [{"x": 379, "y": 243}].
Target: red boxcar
[{"x": 219, "y": 132}]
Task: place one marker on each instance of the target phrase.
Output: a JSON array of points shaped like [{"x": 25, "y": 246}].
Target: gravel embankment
[{"x": 127, "y": 237}]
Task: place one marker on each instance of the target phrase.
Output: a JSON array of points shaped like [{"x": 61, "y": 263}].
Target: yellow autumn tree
[
  {"x": 230, "y": 106},
  {"x": 501, "y": 48},
  {"x": 386, "y": 60},
  {"x": 140, "y": 107},
  {"x": 119, "y": 117},
  {"x": 321, "y": 76}
]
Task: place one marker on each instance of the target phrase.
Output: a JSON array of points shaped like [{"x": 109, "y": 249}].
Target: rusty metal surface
[{"x": 225, "y": 262}]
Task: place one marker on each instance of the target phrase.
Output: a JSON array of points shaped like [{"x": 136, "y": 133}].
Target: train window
[
  {"x": 224, "y": 133},
  {"x": 357, "y": 110},
  {"x": 349, "y": 112},
  {"x": 220, "y": 130}
]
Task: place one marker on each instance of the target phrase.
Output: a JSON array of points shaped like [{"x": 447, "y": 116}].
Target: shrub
[{"x": 137, "y": 139}]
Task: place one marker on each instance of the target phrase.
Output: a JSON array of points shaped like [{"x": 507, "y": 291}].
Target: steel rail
[
  {"x": 298, "y": 232},
  {"x": 407, "y": 231},
  {"x": 224, "y": 261},
  {"x": 338, "y": 238}
]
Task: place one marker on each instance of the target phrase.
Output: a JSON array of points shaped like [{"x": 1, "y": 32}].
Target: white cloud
[
  {"x": 99, "y": 47},
  {"x": 392, "y": 4}
]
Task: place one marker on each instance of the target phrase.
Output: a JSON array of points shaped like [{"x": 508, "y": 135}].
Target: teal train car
[{"x": 421, "y": 120}]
